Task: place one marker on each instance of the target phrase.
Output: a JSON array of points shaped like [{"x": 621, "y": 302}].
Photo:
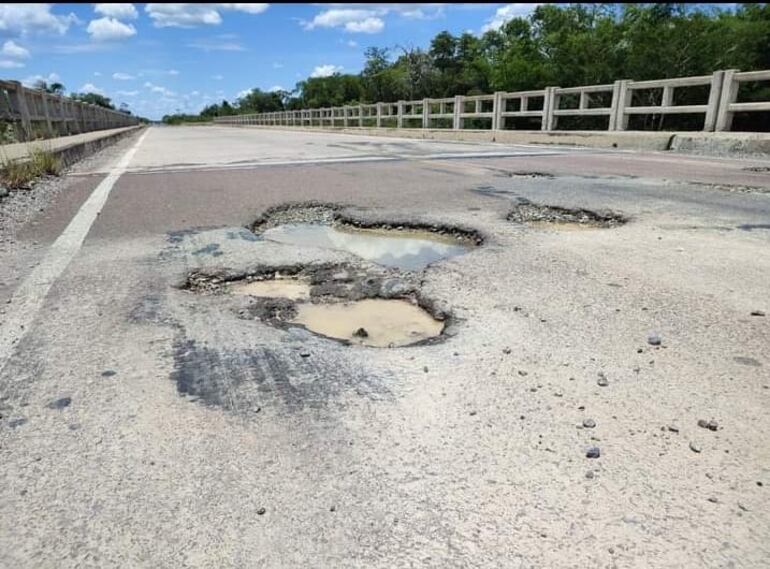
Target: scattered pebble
[
  {"x": 507, "y": 351},
  {"x": 710, "y": 425},
  {"x": 654, "y": 339},
  {"x": 425, "y": 369},
  {"x": 522, "y": 373},
  {"x": 472, "y": 413},
  {"x": 602, "y": 381},
  {"x": 261, "y": 511},
  {"x": 694, "y": 447},
  {"x": 757, "y": 312},
  {"x": 361, "y": 333},
  {"x": 673, "y": 429},
  {"x": 60, "y": 403},
  {"x": 108, "y": 373},
  {"x": 593, "y": 452},
  {"x": 589, "y": 423},
  {"x": 590, "y": 474},
  {"x": 304, "y": 354},
  {"x": 713, "y": 500}
]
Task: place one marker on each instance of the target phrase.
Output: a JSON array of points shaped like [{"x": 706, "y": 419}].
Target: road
[{"x": 144, "y": 425}]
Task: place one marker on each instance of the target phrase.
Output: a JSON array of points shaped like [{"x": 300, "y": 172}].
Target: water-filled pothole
[
  {"x": 292, "y": 289},
  {"x": 402, "y": 249},
  {"x": 372, "y": 322},
  {"x": 563, "y": 218}
]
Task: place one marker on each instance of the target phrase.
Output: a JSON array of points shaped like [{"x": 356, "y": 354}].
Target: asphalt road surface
[{"x": 146, "y": 425}]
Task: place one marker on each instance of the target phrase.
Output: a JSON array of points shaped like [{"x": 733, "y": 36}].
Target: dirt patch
[
  {"x": 556, "y": 216},
  {"x": 757, "y": 169}
]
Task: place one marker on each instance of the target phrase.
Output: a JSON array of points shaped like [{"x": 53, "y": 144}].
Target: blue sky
[{"x": 164, "y": 58}]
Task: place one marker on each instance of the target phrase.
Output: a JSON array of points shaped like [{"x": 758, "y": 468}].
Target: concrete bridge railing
[
  {"x": 35, "y": 113},
  {"x": 613, "y": 100}
]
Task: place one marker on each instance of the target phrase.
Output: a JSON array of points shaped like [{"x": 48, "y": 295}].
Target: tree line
[{"x": 567, "y": 45}]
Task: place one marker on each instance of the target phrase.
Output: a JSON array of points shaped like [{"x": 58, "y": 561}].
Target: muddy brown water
[
  {"x": 386, "y": 322},
  {"x": 406, "y": 250},
  {"x": 292, "y": 289}
]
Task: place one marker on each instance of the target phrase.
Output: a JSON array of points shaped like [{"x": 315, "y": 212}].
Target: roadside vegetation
[
  {"x": 19, "y": 174},
  {"x": 557, "y": 45}
]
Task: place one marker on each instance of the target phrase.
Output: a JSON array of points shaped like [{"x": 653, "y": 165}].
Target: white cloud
[
  {"x": 507, "y": 13},
  {"x": 10, "y": 64},
  {"x": 351, "y": 43},
  {"x": 25, "y": 19},
  {"x": 122, "y": 76},
  {"x": 216, "y": 45},
  {"x": 109, "y": 29},
  {"x": 159, "y": 89},
  {"x": 14, "y": 50},
  {"x": 97, "y": 74},
  {"x": 120, "y": 11},
  {"x": 242, "y": 94},
  {"x": 91, "y": 88},
  {"x": 325, "y": 70},
  {"x": 275, "y": 88},
  {"x": 191, "y": 15},
  {"x": 277, "y": 65},
  {"x": 351, "y": 20},
  {"x": 217, "y": 77},
  {"x": 50, "y": 78},
  {"x": 127, "y": 93},
  {"x": 172, "y": 72}
]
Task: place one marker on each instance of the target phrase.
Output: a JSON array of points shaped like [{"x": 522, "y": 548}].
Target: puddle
[
  {"x": 406, "y": 250},
  {"x": 291, "y": 289},
  {"x": 372, "y": 322}
]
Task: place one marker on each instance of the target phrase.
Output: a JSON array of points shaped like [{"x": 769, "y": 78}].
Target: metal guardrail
[
  {"x": 544, "y": 104},
  {"x": 34, "y": 112}
]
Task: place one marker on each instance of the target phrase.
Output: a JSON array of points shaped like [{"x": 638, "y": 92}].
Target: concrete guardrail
[
  {"x": 548, "y": 105},
  {"x": 34, "y": 112}
]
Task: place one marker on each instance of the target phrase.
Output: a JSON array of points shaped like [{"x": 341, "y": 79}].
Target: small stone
[
  {"x": 654, "y": 340},
  {"x": 602, "y": 381},
  {"x": 639, "y": 350},
  {"x": 593, "y": 452},
  {"x": 702, "y": 423},
  {"x": 304, "y": 354},
  {"x": 60, "y": 403},
  {"x": 712, "y": 500},
  {"x": 522, "y": 373},
  {"x": 425, "y": 369},
  {"x": 589, "y": 423},
  {"x": 712, "y": 425},
  {"x": 506, "y": 351},
  {"x": 590, "y": 474},
  {"x": 757, "y": 312},
  {"x": 694, "y": 447},
  {"x": 472, "y": 413},
  {"x": 261, "y": 511},
  {"x": 108, "y": 373},
  {"x": 361, "y": 333},
  {"x": 673, "y": 429},
  {"x": 333, "y": 509}
]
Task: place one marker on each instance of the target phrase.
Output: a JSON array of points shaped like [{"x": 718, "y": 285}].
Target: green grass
[{"x": 16, "y": 174}]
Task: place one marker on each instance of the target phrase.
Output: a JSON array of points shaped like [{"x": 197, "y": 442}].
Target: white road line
[{"x": 29, "y": 297}]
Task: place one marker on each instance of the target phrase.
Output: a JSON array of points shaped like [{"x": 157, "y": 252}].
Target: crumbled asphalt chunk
[
  {"x": 361, "y": 333},
  {"x": 593, "y": 452},
  {"x": 527, "y": 212},
  {"x": 757, "y": 312},
  {"x": 60, "y": 403},
  {"x": 261, "y": 511},
  {"x": 673, "y": 429},
  {"x": 304, "y": 354},
  {"x": 694, "y": 447},
  {"x": 589, "y": 423},
  {"x": 654, "y": 339}
]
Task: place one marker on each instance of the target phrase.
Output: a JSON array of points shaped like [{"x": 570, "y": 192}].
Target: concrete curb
[
  {"x": 728, "y": 144},
  {"x": 77, "y": 151}
]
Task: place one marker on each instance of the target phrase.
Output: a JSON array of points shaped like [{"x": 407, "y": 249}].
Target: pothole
[
  {"x": 373, "y": 322},
  {"x": 404, "y": 246},
  {"x": 563, "y": 218}
]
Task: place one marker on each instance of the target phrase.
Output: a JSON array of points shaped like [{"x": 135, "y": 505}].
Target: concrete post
[
  {"x": 545, "y": 121},
  {"x": 457, "y": 118},
  {"x": 727, "y": 96},
  {"x": 19, "y": 102},
  {"x": 426, "y": 113},
  {"x": 553, "y": 119},
  {"x": 47, "y": 114},
  {"x": 379, "y": 115},
  {"x": 400, "y": 115},
  {"x": 360, "y": 115},
  {"x": 498, "y": 107}
]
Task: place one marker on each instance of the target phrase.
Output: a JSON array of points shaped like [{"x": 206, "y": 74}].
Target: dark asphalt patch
[
  {"x": 528, "y": 212},
  {"x": 245, "y": 380}
]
